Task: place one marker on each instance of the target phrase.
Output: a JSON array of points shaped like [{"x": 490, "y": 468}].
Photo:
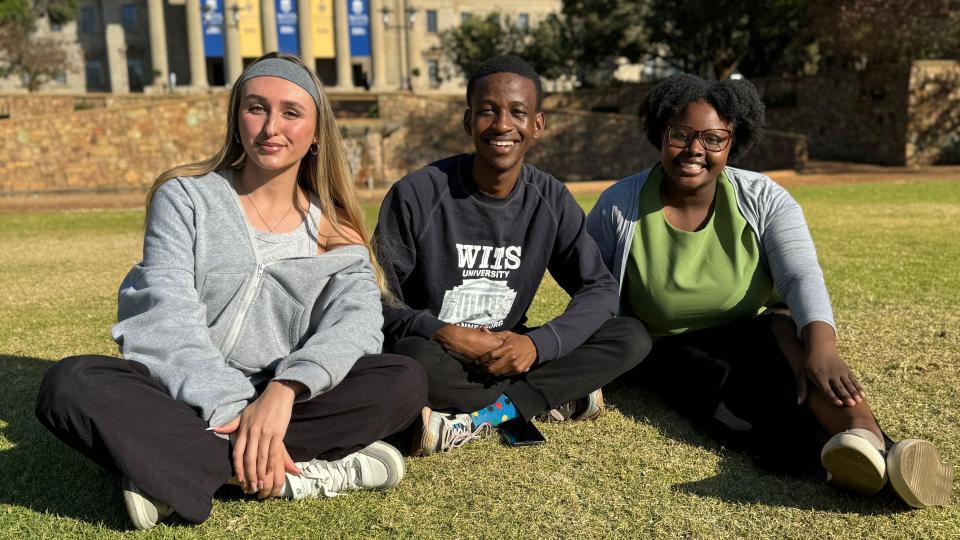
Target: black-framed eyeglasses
[{"x": 713, "y": 140}]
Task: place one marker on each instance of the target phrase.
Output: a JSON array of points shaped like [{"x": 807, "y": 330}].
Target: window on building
[
  {"x": 432, "y": 21},
  {"x": 87, "y": 20},
  {"x": 523, "y": 21},
  {"x": 94, "y": 72},
  {"x": 135, "y": 73},
  {"x": 433, "y": 73},
  {"x": 55, "y": 26},
  {"x": 465, "y": 16},
  {"x": 60, "y": 78},
  {"x": 128, "y": 17}
]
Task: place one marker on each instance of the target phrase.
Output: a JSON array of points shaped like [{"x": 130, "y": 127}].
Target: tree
[
  {"x": 885, "y": 31},
  {"x": 712, "y": 37},
  {"x": 589, "y": 34},
  {"x": 479, "y": 38},
  {"x": 598, "y": 32},
  {"x": 35, "y": 59}
]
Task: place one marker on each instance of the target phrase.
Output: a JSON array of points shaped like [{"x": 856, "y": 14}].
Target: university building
[{"x": 124, "y": 46}]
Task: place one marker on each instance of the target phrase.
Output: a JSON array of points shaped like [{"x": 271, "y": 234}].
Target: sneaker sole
[
  {"x": 854, "y": 464},
  {"x": 917, "y": 475},
  {"x": 426, "y": 444},
  {"x": 391, "y": 458},
  {"x": 138, "y": 507}
]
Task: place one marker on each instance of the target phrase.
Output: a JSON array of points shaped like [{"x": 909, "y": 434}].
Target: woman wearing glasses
[{"x": 719, "y": 265}]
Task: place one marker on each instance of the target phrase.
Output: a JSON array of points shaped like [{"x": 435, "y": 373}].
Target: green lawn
[{"x": 891, "y": 254}]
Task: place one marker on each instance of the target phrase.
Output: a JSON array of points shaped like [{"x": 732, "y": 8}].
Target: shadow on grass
[
  {"x": 739, "y": 480},
  {"x": 39, "y": 472}
]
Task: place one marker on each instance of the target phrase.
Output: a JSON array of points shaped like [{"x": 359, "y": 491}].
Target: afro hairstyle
[
  {"x": 736, "y": 102},
  {"x": 506, "y": 63}
]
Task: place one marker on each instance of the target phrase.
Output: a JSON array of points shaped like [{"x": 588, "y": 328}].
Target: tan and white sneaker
[
  {"x": 378, "y": 466},
  {"x": 917, "y": 475},
  {"x": 589, "y": 407},
  {"x": 854, "y": 460},
  {"x": 443, "y": 432}
]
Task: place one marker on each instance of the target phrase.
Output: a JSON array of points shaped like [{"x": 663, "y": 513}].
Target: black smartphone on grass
[{"x": 519, "y": 432}]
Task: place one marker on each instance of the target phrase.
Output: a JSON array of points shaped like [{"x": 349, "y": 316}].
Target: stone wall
[
  {"x": 885, "y": 115},
  {"x": 847, "y": 116},
  {"x": 933, "y": 128},
  {"x": 113, "y": 148},
  {"x": 127, "y": 147},
  {"x": 29, "y": 105}
]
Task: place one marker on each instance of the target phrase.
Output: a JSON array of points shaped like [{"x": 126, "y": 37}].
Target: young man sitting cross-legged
[{"x": 465, "y": 243}]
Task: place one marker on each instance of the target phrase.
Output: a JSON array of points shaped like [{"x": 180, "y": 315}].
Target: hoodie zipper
[{"x": 238, "y": 320}]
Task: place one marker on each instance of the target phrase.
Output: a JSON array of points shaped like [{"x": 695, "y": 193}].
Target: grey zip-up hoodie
[
  {"x": 210, "y": 321},
  {"x": 786, "y": 247}
]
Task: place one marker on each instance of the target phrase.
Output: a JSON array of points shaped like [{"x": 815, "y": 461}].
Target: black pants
[
  {"x": 112, "y": 412},
  {"x": 614, "y": 348},
  {"x": 740, "y": 365}
]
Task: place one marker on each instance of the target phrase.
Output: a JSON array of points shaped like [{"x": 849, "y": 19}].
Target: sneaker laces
[
  {"x": 330, "y": 477},
  {"x": 455, "y": 434}
]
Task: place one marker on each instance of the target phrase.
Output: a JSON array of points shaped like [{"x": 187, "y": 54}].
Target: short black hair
[
  {"x": 506, "y": 63},
  {"x": 736, "y": 102}
]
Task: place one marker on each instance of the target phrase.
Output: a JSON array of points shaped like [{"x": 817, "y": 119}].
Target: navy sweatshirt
[{"x": 455, "y": 255}]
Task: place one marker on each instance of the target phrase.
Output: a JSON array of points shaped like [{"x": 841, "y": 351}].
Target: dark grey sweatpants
[
  {"x": 112, "y": 412},
  {"x": 616, "y": 347}
]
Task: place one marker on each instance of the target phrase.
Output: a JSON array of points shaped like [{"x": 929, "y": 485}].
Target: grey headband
[{"x": 285, "y": 69}]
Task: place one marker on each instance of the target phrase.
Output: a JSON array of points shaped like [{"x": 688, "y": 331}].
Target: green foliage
[
  {"x": 600, "y": 31},
  {"x": 18, "y": 12},
  {"x": 36, "y": 60},
  {"x": 886, "y": 31},
  {"x": 59, "y": 11},
  {"x": 711, "y": 38},
  {"x": 479, "y": 38}
]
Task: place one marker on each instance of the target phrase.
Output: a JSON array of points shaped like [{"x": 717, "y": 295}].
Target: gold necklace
[{"x": 296, "y": 196}]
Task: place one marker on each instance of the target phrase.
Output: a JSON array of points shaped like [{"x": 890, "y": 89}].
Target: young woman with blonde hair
[{"x": 251, "y": 328}]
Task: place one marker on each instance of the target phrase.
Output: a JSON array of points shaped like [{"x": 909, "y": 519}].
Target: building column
[
  {"x": 232, "y": 62},
  {"x": 116, "y": 41},
  {"x": 268, "y": 25},
  {"x": 415, "y": 54},
  {"x": 305, "y": 33},
  {"x": 377, "y": 44},
  {"x": 198, "y": 60},
  {"x": 341, "y": 30},
  {"x": 158, "y": 42}
]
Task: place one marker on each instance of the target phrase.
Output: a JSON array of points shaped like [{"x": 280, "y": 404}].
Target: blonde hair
[{"x": 326, "y": 174}]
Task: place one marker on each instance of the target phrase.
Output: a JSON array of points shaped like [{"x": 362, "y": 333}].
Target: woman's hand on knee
[
  {"x": 834, "y": 378},
  {"x": 823, "y": 365},
  {"x": 259, "y": 456}
]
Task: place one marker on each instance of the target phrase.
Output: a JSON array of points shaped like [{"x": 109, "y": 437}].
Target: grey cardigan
[
  {"x": 210, "y": 321},
  {"x": 786, "y": 247}
]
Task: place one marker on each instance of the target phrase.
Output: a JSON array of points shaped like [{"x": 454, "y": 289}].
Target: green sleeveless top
[{"x": 677, "y": 281}]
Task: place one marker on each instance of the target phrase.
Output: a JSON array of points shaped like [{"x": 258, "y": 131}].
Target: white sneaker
[
  {"x": 378, "y": 466},
  {"x": 144, "y": 511},
  {"x": 442, "y": 432},
  {"x": 854, "y": 460},
  {"x": 917, "y": 475}
]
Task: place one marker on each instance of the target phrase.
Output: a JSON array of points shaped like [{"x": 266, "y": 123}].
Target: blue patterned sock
[{"x": 496, "y": 413}]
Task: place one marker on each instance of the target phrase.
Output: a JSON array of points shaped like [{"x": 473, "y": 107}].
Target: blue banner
[
  {"x": 211, "y": 16},
  {"x": 359, "y": 19},
  {"x": 288, "y": 40}
]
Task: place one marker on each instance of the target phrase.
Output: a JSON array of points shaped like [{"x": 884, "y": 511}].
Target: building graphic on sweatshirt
[{"x": 480, "y": 301}]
